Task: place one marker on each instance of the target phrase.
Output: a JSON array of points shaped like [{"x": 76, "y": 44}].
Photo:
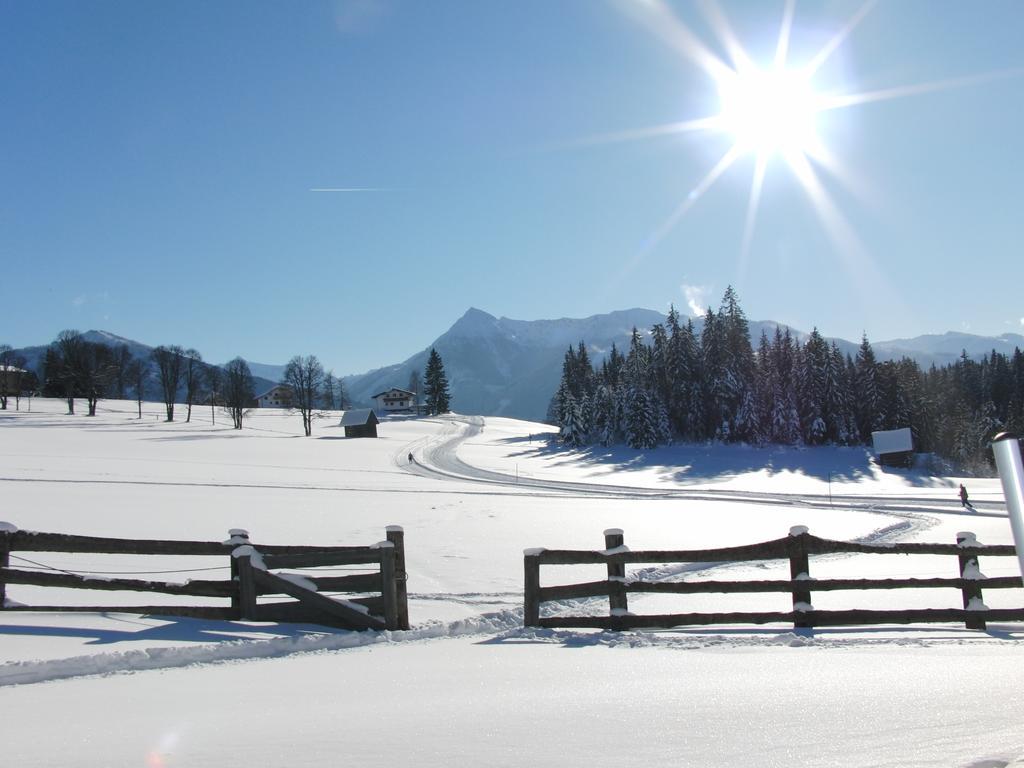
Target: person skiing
[{"x": 963, "y": 497}]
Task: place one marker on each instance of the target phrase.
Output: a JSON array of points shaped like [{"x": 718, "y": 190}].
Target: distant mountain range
[{"x": 502, "y": 367}]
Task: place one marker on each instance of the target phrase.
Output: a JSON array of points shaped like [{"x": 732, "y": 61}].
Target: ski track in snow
[
  {"x": 491, "y": 628},
  {"x": 438, "y": 458}
]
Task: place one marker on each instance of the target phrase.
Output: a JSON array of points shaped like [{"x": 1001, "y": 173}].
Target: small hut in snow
[
  {"x": 359, "y": 423},
  {"x": 894, "y": 447}
]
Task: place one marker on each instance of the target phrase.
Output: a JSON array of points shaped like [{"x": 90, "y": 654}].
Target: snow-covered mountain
[{"x": 503, "y": 367}]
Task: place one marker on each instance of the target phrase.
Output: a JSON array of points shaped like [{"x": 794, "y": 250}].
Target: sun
[{"x": 769, "y": 112}]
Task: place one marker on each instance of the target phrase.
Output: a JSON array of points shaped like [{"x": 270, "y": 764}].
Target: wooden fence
[
  {"x": 251, "y": 577},
  {"x": 797, "y": 548}
]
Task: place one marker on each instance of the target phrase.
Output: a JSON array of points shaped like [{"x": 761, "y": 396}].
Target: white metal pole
[{"x": 1011, "y": 473}]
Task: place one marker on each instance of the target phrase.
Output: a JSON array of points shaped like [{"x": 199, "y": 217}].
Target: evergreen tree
[
  {"x": 736, "y": 388},
  {"x": 865, "y": 389},
  {"x": 436, "y": 385},
  {"x": 570, "y": 432},
  {"x": 813, "y": 385},
  {"x": 641, "y": 427}
]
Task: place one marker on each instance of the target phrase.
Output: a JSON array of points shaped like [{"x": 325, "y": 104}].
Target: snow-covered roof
[
  {"x": 275, "y": 388},
  {"x": 358, "y": 418},
  {"x": 892, "y": 441},
  {"x": 400, "y": 392}
]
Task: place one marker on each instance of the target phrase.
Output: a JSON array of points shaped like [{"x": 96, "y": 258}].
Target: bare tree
[
  {"x": 20, "y": 379},
  {"x": 330, "y": 386},
  {"x": 168, "y": 368},
  {"x": 120, "y": 359},
  {"x": 214, "y": 382},
  {"x": 415, "y": 386},
  {"x": 237, "y": 389},
  {"x": 25, "y": 381},
  {"x": 6, "y": 373},
  {"x": 138, "y": 376},
  {"x": 305, "y": 376},
  {"x": 95, "y": 372},
  {"x": 67, "y": 364},
  {"x": 343, "y": 402},
  {"x": 193, "y": 378}
]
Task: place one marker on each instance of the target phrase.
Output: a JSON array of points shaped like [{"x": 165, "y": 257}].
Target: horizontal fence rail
[
  {"x": 383, "y": 604},
  {"x": 798, "y": 547}
]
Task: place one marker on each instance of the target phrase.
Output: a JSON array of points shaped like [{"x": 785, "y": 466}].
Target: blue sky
[{"x": 157, "y": 162}]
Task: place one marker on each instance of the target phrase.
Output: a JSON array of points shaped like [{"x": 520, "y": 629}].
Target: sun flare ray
[
  {"x": 841, "y": 101},
  {"x": 753, "y": 203},
  {"x": 830, "y": 47},
  {"x": 654, "y": 131},
  {"x": 691, "y": 199},
  {"x": 782, "y": 47},
  {"x": 719, "y": 23},
  {"x": 660, "y": 19}
]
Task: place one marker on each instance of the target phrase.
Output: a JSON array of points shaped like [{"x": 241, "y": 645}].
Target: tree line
[
  {"x": 678, "y": 385},
  {"x": 75, "y": 368}
]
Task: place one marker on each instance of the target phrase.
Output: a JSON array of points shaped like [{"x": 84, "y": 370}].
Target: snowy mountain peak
[{"x": 473, "y": 324}]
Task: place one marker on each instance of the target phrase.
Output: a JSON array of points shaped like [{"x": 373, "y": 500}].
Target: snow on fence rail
[
  {"x": 251, "y": 577},
  {"x": 798, "y": 547}
]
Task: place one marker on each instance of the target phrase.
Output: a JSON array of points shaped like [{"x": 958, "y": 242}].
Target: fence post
[
  {"x": 246, "y": 583},
  {"x": 388, "y": 588},
  {"x": 799, "y": 571},
  {"x": 6, "y": 531},
  {"x": 531, "y": 587},
  {"x": 396, "y": 535},
  {"x": 237, "y": 537},
  {"x": 617, "y": 602},
  {"x": 969, "y": 571}
]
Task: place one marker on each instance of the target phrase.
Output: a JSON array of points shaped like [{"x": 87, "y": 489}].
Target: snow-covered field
[{"x": 467, "y": 684}]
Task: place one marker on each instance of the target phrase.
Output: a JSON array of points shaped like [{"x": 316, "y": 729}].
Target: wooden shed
[
  {"x": 894, "y": 447},
  {"x": 359, "y": 423}
]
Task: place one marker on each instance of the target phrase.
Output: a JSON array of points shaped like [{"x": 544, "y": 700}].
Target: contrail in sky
[{"x": 347, "y": 189}]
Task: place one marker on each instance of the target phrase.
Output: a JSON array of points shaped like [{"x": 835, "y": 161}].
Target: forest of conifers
[{"x": 681, "y": 386}]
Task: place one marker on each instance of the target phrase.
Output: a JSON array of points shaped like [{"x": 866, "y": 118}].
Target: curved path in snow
[{"x": 437, "y": 456}]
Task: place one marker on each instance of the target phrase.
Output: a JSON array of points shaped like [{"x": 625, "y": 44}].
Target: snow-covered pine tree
[
  {"x": 785, "y": 427},
  {"x": 813, "y": 379},
  {"x": 570, "y": 432},
  {"x": 435, "y": 385},
  {"x": 641, "y": 429},
  {"x": 865, "y": 391}
]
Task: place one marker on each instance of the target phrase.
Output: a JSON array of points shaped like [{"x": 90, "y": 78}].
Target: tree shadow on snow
[
  {"x": 692, "y": 463},
  {"x": 697, "y": 638}
]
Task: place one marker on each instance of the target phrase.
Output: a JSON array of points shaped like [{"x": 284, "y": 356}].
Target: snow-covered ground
[{"x": 467, "y": 684}]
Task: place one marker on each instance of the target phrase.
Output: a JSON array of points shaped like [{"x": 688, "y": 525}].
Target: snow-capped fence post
[
  {"x": 799, "y": 571},
  {"x": 531, "y": 587},
  {"x": 617, "y": 601},
  {"x": 6, "y": 529},
  {"x": 396, "y": 535},
  {"x": 246, "y": 583},
  {"x": 970, "y": 572},
  {"x": 388, "y": 591},
  {"x": 236, "y": 537}
]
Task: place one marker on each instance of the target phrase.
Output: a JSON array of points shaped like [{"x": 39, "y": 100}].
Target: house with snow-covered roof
[
  {"x": 394, "y": 400},
  {"x": 279, "y": 396}
]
